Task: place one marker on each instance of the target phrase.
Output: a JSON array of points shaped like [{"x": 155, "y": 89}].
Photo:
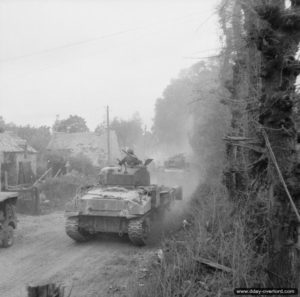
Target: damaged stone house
[
  {"x": 91, "y": 145},
  {"x": 18, "y": 160}
]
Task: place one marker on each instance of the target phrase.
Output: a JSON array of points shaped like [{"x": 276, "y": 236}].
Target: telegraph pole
[
  {"x": 108, "y": 135},
  {"x": 0, "y": 176}
]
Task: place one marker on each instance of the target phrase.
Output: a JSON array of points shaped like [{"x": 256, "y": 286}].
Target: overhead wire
[
  {"x": 211, "y": 15},
  {"x": 106, "y": 36},
  {"x": 90, "y": 40},
  {"x": 205, "y": 21},
  {"x": 205, "y": 57},
  {"x": 69, "y": 45},
  {"x": 201, "y": 26}
]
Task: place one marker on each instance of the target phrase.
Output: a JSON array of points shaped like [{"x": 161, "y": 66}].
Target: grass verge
[{"x": 216, "y": 232}]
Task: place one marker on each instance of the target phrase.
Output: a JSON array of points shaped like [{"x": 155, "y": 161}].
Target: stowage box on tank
[{"x": 124, "y": 202}]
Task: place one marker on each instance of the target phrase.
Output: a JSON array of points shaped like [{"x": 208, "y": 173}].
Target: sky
[{"x": 75, "y": 57}]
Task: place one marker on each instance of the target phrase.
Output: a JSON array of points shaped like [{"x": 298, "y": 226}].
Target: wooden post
[
  {"x": 43, "y": 176},
  {"x": 5, "y": 180},
  {"x": 108, "y": 136},
  {"x": 36, "y": 199},
  {"x": 58, "y": 172},
  {"x": 0, "y": 177}
]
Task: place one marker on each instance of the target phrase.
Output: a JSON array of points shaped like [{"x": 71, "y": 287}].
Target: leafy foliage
[
  {"x": 191, "y": 113},
  {"x": 80, "y": 163},
  {"x": 83, "y": 165},
  {"x": 171, "y": 111},
  {"x": 2, "y": 124},
  {"x": 262, "y": 42},
  {"x": 72, "y": 124},
  {"x": 210, "y": 117},
  {"x": 191, "y": 110},
  {"x": 58, "y": 190},
  {"x": 101, "y": 129},
  {"x": 129, "y": 132},
  {"x": 37, "y": 137}
]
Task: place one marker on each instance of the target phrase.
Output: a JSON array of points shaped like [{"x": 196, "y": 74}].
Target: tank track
[
  {"x": 138, "y": 231},
  {"x": 72, "y": 230}
]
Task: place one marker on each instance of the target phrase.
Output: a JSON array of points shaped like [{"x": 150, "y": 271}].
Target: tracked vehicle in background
[
  {"x": 124, "y": 202},
  {"x": 8, "y": 219},
  {"x": 177, "y": 162},
  {"x": 176, "y": 168}
]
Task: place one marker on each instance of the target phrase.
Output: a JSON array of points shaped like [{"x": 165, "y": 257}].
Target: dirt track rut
[{"x": 43, "y": 253}]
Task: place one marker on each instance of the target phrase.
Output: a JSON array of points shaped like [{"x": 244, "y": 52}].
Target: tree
[
  {"x": 278, "y": 43},
  {"x": 262, "y": 43},
  {"x": 176, "y": 111},
  {"x": 37, "y": 137},
  {"x": 101, "y": 128},
  {"x": 2, "y": 124},
  {"x": 171, "y": 112},
  {"x": 129, "y": 131},
  {"x": 72, "y": 124},
  {"x": 209, "y": 116}
]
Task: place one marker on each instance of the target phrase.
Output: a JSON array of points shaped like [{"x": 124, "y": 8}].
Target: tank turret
[{"x": 126, "y": 177}]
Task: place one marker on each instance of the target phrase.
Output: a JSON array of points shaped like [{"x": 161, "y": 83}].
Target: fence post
[
  {"x": 36, "y": 201},
  {"x": 5, "y": 180}
]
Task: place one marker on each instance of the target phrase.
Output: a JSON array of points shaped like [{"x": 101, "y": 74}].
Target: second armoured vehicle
[
  {"x": 178, "y": 162},
  {"x": 124, "y": 202},
  {"x": 8, "y": 219}
]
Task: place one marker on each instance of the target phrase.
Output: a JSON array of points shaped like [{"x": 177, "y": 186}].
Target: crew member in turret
[{"x": 130, "y": 160}]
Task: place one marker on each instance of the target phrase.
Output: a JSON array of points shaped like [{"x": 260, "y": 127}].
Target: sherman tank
[
  {"x": 177, "y": 162},
  {"x": 175, "y": 169},
  {"x": 8, "y": 219},
  {"x": 124, "y": 202}
]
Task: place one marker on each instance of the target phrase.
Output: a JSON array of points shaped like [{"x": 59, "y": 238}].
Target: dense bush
[
  {"x": 212, "y": 235},
  {"x": 58, "y": 190},
  {"x": 83, "y": 165},
  {"x": 80, "y": 163}
]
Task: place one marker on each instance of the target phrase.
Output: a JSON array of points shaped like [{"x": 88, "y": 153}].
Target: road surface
[{"x": 42, "y": 253}]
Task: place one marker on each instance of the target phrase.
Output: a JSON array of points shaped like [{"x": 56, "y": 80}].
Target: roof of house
[
  {"x": 10, "y": 142},
  {"x": 90, "y": 144}
]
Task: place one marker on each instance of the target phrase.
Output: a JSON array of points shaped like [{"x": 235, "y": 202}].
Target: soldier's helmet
[{"x": 130, "y": 151}]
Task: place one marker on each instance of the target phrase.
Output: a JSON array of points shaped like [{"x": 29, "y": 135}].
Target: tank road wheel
[
  {"x": 73, "y": 231},
  {"x": 138, "y": 231},
  {"x": 8, "y": 237}
]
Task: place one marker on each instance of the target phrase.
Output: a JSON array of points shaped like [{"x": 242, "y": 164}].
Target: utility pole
[
  {"x": 108, "y": 135},
  {"x": 0, "y": 177}
]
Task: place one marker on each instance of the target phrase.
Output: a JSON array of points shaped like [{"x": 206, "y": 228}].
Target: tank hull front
[{"x": 103, "y": 224}]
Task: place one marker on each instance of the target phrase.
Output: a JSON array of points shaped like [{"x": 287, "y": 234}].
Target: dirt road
[{"x": 43, "y": 253}]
